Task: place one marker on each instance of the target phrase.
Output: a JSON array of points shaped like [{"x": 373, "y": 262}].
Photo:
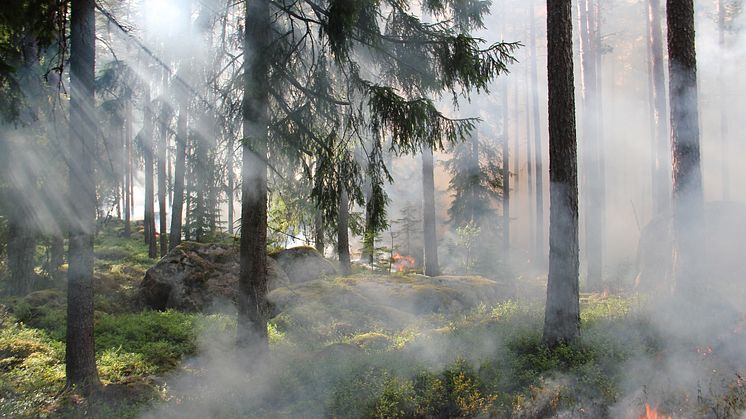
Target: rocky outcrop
[
  {"x": 198, "y": 276},
  {"x": 303, "y": 264}
]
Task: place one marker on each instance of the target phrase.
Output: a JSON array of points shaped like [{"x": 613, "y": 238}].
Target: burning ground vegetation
[{"x": 369, "y": 345}]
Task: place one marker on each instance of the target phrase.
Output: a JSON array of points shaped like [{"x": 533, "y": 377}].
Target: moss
[{"x": 371, "y": 340}]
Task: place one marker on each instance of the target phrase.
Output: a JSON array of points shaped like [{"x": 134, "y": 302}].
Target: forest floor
[{"x": 335, "y": 353}]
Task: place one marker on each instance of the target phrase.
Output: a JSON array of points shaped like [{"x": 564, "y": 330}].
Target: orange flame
[
  {"x": 651, "y": 413},
  {"x": 402, "y": 263}
]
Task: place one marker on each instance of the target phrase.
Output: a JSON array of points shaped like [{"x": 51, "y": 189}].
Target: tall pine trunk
[
  {"x": 516, "y": 142},
  {"x": 343, "y": 226},
  {"x": 319, "y": 231},
  {"x": 505, "y": 173},
  {"x": 591, "y": 140},
  {"x": 162, "y": 148},
  {"x": 662, "y": 154},
  {"x": 80, "y": 355},
  {"x": 431, "y": 266},
  {"x": 529, "y": 166},
  {"x": 253, "y": 309},
  {"x": 21, "y": 250},
  {"x": 688, "y": 201},
  {"x": 562, "y": 315},
  {"x": 724, "y": 166},
  {"x": 538, "y": 155},
  {"x": 505, "y": 160},
  {"x": 177, "y": 204},
  {"x": 128, "y": 169},
  {"x": 147, "y": 143},
  {"x": 231, "y": 187},
  {"x": 369, "y": 240}
]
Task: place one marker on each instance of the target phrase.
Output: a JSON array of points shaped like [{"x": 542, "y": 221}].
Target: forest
[{"x": 372, "y": 209}]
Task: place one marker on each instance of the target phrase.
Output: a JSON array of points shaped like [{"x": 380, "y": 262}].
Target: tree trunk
[
  {"x": 147, "y": 143},
  {"x": 562, "y": 316},
  {"x": 516, "y": 143},
  {"x": 162, "y": 186},
  {"x": 80, "y": 355},
  {"x": 431, "y": 266},
  {"x": 477, "y": 172},
  {"x": 725, "y": 167},
  {"x": 688, "y": 205},
  {"x": 177, "y": 204},
  {"x": 591, "y": 140},
  {"x": 253, "y": 309},
  {"x": 231, "y": 183},
  {"x": 343, "y": 241},
  {"x": 369, "y": 240},
  {"x": 662, "y": 156},
  {"x": 506, "y": 174},
  {"x": 128, "y": 169},
  {"x": 538, "y": 155},
  {"x": 529, "y": 168},
  {"x": 505, "y": 160},
  {"x": 21, "y": 251},
  {"x": 319, "y": 231}
]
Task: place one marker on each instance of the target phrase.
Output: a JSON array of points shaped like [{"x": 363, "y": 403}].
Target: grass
[{"x": 340, "y": 348}]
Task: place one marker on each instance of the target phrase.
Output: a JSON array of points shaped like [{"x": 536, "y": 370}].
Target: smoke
[{"x": 155, "y": 40}]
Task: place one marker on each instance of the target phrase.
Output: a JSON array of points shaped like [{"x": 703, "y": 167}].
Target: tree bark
[
  {"x": 21, "y": 251},
  {"x": 253, "y": 308},
  {"x": 688, "y": 201},
  {"x": 319, "y": 231},
  {"x": 529, "y": 166},
  {"x": 177, "y": 204},
  {"x": 538, "y": 155},
  {"x": 147, "y": 143},
  {"x": 343, "y": 241},
  {"x": 369, "y": 241},
  {"x": 662, "y": 155},
  {"x": 231, "y": 182},
  {"x": 591, "y": 140},
  {"x": 505, "y": 171},
  {"x": 725, "y": 167},
  {"x": 127, "y": 168},
  {"x": 162, "y": 186},
  {"x": 516, "y": 143},
  {"x": 431, "y": 266},
  {"x": 80, "y": 355},
  {"x": 562, "y": 316}
]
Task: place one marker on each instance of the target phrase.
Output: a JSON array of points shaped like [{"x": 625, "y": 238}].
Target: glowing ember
[
  {"x": 651, "y": 413},
  {"x": 401, "y": 263}
]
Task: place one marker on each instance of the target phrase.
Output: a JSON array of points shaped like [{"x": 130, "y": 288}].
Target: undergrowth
[{"x": 487, "y": 361}]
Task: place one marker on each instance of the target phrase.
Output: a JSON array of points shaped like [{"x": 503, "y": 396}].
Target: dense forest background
[{"x": 456, "y": 208}]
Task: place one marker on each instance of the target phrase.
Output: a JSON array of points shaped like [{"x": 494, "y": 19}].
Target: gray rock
[
  {"x": 196, "y": 276},
  {"x": 303, "y": 264}
]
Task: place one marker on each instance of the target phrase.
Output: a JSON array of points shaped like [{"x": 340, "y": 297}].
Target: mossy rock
[
  {"x": 49, "y": 298},
  {"x": 198, "y": 276},
  {"x": 303, "y": 264},
  {"x": 371, "y": 340}
]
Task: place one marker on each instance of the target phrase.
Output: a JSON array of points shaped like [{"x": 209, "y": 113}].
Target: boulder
[
  {"x": 194, "y": 276},
  {"x": 303, "y": 264}
]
